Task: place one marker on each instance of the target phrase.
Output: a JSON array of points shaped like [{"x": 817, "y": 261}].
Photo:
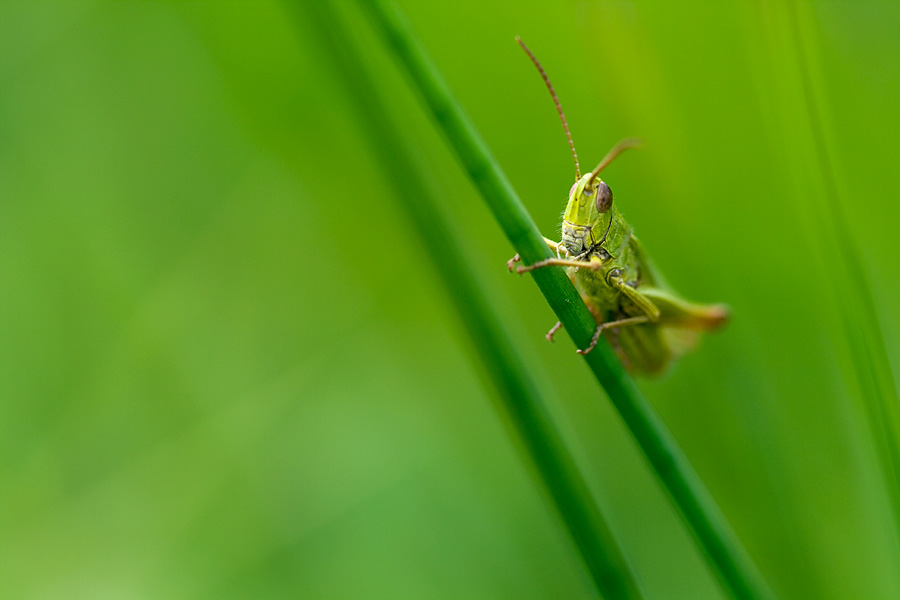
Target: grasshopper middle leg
[{"x": 611, "y": 324}]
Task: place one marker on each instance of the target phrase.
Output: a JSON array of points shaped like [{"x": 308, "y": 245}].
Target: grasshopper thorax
[{"x": 587, "y": 215}]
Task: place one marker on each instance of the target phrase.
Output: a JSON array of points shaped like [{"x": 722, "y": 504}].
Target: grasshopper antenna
[
  {"x": 616, "y": 150},
  {"x": 562, "y": 116}
]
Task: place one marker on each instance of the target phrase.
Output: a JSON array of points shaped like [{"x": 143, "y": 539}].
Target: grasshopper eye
[{"x": 604, "y": 197}]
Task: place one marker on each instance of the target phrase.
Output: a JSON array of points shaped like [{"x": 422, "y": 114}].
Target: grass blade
[
  {"x": 519, "y": 394},
  {"x": 869, "y": 370},
  {"x": 709, "y": 526}
]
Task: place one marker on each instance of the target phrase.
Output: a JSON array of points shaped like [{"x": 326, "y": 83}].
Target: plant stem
[
  {"x": 519, "y": 394},
  {"x": 711, "y": 530}
]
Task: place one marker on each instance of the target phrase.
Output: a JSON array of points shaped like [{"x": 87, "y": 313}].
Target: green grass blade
[
  {"x": 709, "y": 526},
  {"x": 519, "y": 394},
  {"x": 870, "y": 364}
]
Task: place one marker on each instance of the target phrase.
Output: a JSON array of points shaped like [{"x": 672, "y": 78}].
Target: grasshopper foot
[
  {"x": 511, "y": 263},
  {"x": 554, "y": 329}
]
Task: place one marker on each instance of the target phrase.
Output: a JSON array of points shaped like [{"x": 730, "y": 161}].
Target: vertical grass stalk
[{"x": 712, "y": 532}]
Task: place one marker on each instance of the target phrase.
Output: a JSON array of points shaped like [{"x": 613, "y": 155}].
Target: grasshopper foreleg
[
  {"x": 560, "y": 262},
  {"x": 553, "y": 245}
]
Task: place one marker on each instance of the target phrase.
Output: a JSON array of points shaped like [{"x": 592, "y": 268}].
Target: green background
[{"x": 227, "y": 369}]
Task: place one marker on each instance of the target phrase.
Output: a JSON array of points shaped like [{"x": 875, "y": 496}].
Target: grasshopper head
[{"x": 586, "y": 216}]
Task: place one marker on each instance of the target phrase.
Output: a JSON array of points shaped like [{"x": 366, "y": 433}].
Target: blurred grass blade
[
  {"x": 520, "y": 396},
  {"x": 731, "y": 563},
  {"x": 870, "y": 366}
]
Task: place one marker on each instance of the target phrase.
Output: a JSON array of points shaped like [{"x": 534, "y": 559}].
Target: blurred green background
[{"x": 227, "y": 370}]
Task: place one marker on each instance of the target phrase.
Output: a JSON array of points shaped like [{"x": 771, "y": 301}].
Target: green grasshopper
[{"x": 645, "y": 321}]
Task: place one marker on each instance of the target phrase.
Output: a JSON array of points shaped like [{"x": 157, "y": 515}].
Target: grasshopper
[{"x": 645, "y": 321}]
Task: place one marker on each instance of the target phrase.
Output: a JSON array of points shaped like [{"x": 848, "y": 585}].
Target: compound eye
[{"x": 604, "y": 197}]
